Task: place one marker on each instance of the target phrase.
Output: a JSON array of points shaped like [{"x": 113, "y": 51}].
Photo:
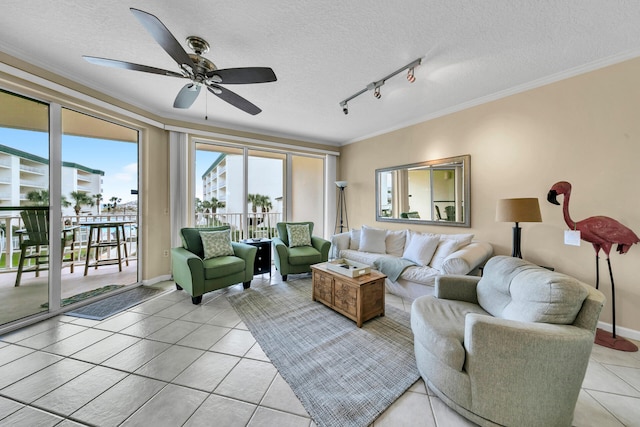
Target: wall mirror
[{"x": 435, "y": 192}]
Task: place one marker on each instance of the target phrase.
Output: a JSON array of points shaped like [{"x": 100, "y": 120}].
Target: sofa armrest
[
  {"x": 322, "y": 246},
  {"x": 509, "y": 360},
  {"x": 457, "y": 287},
  {"x": 467, "y": 258}
]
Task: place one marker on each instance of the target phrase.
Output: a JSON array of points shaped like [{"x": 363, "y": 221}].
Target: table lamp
[{"x": 518, "y": 210}]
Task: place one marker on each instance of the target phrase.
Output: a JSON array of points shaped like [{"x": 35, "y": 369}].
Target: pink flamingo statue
[{"x": 602, "y": 232}]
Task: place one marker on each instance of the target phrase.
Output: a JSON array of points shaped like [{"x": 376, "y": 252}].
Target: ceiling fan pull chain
[{"x": 206, "y": 105}]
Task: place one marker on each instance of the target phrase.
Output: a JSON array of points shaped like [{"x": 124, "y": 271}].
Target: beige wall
[{"x": 585, "y": 130}]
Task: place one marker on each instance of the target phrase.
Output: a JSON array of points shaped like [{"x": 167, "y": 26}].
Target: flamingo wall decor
[{"x": 603, "y": 233}]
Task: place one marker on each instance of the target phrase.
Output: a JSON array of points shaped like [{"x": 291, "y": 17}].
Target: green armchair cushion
[
  {"x": 304, "y": 255},
  {"x": 223, "y": 266}
]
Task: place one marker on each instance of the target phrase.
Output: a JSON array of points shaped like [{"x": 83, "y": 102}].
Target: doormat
[
  {"x": 84, "y": 295},
  {"x": 109, "y": 306}
]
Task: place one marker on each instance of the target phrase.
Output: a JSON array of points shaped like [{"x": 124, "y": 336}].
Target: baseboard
[
  {"x": 623, "y": 332},
  {"x": 157, "y": 279}
]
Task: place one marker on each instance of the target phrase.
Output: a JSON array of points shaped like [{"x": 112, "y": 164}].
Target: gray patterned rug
[
  {"x": 115, "y": 304},
  {"x": 342, "y": 374}
]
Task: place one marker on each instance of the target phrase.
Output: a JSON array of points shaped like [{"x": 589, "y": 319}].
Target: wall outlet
[{"x": 165, "y": 253}]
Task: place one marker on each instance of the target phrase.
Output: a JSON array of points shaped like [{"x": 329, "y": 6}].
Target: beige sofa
[
  {"x": 510, "y": 348},
  {"x": 432, "y": 255}
]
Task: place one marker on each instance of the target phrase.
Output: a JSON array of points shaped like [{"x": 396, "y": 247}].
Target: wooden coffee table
[{"x": 360, "y": 298}]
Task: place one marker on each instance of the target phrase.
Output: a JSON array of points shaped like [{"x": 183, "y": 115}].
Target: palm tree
[
  {"x": 80, "y": 198},
  {"x": 265, "y": 204},
  {"x": 38, "y": 197},
  {"x": 253, "y": 199},
  {"x": 98, "y": 198},
  {"x": 114, "y": 202},
  {"x": 215, "y": 204}
]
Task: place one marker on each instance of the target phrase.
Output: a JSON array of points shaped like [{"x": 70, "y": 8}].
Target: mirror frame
[{"x": 432, "y": 164}]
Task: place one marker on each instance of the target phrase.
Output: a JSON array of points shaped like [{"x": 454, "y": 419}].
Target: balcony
[{"x": 258, "y": 225}]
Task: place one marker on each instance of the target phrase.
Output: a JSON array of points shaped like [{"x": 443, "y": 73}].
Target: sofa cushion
[
  {"x": 421, "y": 248},
  {"x": 373, "y": 240},
  {"x": 395, "y": 242},
  {"x": 362, "y": 257},
  {"x": 438, "y": 324},
  {"x": 355, "y": 239},
  {"x": 463, "y": 239},
  {"x": 423, "y": 275},
  {"x": 515, "y": 289},
  {"x": 216, "y": 243},
  {"x": 222, "y": 266},
  {"x": 445, "y": 248}
]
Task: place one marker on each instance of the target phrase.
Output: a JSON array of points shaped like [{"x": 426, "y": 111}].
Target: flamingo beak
[{"x": 551, "y": 197}]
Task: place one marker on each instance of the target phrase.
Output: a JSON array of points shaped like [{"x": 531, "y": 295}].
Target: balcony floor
[{"x": 25, "y": 300}]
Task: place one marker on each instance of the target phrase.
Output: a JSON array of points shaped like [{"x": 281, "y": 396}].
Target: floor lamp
[
  {"x": 342, "y": 220},
  {"x": 518, "y": 210}
]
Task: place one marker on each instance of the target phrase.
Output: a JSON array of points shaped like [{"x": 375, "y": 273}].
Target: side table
[{"x": 263, "y": 257}]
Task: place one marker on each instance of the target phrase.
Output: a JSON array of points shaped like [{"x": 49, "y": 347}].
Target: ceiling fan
[{"x": 193, "y": 66}]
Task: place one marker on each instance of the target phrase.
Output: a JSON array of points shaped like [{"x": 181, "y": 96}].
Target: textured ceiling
[{"x": 325, "y": 51}]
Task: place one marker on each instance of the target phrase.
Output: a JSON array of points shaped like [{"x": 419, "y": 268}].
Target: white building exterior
[{"x": 22, "y": 172}]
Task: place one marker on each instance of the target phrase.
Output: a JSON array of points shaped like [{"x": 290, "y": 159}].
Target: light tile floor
[{"x": 168, "y": 362}]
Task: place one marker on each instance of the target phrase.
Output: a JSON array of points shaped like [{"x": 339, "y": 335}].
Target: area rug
[
  {"x": 109, "y": 306},
  {"x": 84, "y": 295},
  {"x": 342, "y": 374}
]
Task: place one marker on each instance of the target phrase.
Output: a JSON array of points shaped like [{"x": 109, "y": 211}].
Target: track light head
[
  {"x": 345, "y": 108},
  {"x": 376, "y": 92},
  {"x": 410, "y": 76}
]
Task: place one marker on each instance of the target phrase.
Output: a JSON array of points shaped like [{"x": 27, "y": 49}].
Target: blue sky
[{"x": 117, "y": 159}]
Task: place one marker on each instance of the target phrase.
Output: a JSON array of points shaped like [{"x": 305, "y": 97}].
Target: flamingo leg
[
  {"x": 597, "y": 271},
  {"x": 613, "y": 299}
]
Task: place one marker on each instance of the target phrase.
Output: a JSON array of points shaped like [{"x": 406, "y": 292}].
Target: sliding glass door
[{"x": 24, "y": 207}]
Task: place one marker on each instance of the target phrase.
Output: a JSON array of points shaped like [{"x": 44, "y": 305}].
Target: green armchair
[
  {"x": 298, "y": 259},
  {"x": 197, "y": 276}
]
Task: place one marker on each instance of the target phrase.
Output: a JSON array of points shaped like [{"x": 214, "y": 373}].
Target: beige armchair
[{"x": 510, "y": 348}]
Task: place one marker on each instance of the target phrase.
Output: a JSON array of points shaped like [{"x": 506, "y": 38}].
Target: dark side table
[{"x": 263, "y": 257}]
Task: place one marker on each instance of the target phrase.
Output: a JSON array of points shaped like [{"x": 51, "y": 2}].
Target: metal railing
[
  {"x": 257, "y": 225},
  {"x": 10, "y": 243}
]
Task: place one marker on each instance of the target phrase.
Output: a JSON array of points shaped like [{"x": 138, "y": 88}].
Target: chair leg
[
  {"x": 23, "y": 253},
  {"x": 284, "y": 277},
  {"x": 196, "y": 300},
  {"x": 246, "y": 285},
  {"x": 178, "y": 287}
]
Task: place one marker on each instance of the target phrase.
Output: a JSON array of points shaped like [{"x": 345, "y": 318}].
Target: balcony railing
[
  {"x": 10, "y": 244},
  {"x": 258, "y": 225}
]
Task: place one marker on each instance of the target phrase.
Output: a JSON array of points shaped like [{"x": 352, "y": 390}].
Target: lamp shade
[
  {"x": 341, "y": 184},
  {"x": 518, "y": 210}
]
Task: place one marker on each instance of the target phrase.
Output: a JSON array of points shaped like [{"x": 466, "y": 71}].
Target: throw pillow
[
  {"x": 421, "y": 248},
  {"x": 445, "y": 248},
  {"x": 372, "y": 240},
  {"x": 355, "y": 239},
  {"x": 462, "y": 239},
  {"x": 298, "y": 235},
  {"x": 216, "y": 243},
  {"x": 395, "y": 242}
]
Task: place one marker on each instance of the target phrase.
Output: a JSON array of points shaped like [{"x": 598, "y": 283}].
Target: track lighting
[
  {"x": 410, "y": 75},
  {"x": 375, "y": 86}
]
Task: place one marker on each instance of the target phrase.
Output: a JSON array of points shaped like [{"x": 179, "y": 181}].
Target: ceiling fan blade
[
  {"x": 187, "y": 96},
  {"x": 234, "y": 99},
  {"x": 243, "y": 75},
  {"x": 163, "y": 36},
  {"x": 129, "y": 66}
]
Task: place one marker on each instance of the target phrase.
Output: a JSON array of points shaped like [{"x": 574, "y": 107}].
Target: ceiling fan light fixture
[
  {"x": 410, "y": 76},
  {"x": 215, "y": 90}
]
